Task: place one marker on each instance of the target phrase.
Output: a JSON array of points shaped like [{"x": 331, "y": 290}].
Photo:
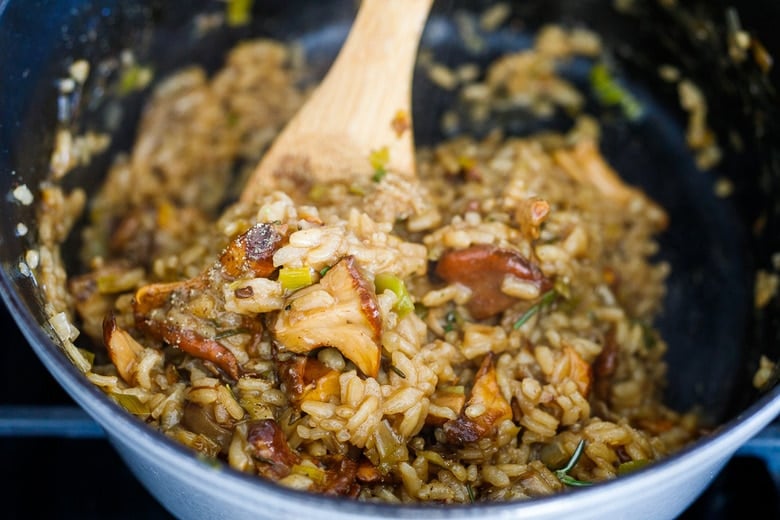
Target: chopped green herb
[
  {"x": 232, "y": 119},
  {"x": 132, "y": 404},
  {"x": 357, "y": 189},
  {"x": 378, "y": 175},
  {"x": 631, "y": 465},
  {"x": 450, "y": 319},
  {"x": 134, "y": 77},
  {"x": 317, "y": 192},
  {"x": 211, "y": 461},
  {"x": 88, "y": 355},
  {"x": 563, "y": 473},
  {"x": 293, "y": 278},
  {"x": 398, "y": 371},
  {"x": 384, "y": 282},
  {"x": 611, "y": 93},
  {"x": 379, "y": 159},
  {"x": 309, "y": 470},
  {"x": 470, "y": 491},
  {"x": 324, "y": 270},
  {"x": 649, "y": 336},
  {"x": 239, "y": 12},
  {"x": 545, "y": 301}
]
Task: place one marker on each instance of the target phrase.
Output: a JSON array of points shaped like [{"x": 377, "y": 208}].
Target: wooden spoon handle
[{"x": 362, "y": 104}]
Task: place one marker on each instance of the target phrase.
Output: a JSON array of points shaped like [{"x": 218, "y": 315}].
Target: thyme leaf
[
  {"x": 545, "y": 301},
  {"x": 563, "y": 473},
  {"x": 470, "y": 491},
  {"x": 451, "y": 319},
  {"x": 398, "y": 371}
]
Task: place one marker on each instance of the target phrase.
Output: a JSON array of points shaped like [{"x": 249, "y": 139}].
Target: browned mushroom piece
[
  {"x": 249, "y": 254},
  {"x": 252, "y": 252},
  {"x": 605, "y": 366},
  {"x": 367, "y": 473},
  {"x": 485, "y": 410},
  {"x": 577, "y": 370},
  {"x": 308, "y": 378},
  {"x": 201, "y": 420},
  {"x": 530, "y": 214},
  {"x": 482, "y": 268},
  {"x": 340, "y": 311},
  {"x": 340, "y": 477},
  {"x": 157, "y": 295},
  {"x": 269, "y": 447},
  {"x": 452, "y": 398},
  {"x": 197, "y": 346},
  {"x": 125, "y": 352}
]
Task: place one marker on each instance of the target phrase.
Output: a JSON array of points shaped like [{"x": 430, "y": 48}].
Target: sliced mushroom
[
  {"x": 574, "y": 368},
  {"x": 530, "y": 214},
  {"x": 340, "y": 477},
  {"x": 200, "y": 419},
  {"x": 484, "y": 411},
  {"x": 125, "y": 352},
  {"x": 447, "y": 403},
  {"x": 605, "y": 366},
  {"x": 367, "y": 473},
  {"x": 269, "y": 447},
  {"x": 482, "y": 268},
  {"x": 200, "y": 347},
  {"x": 252, "y": 252},
  {"x": 340, "y": 311},
  {"x": 308, "y": 378}
]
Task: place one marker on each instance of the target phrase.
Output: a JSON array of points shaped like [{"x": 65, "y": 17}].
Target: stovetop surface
[{"x": 81, "y": 476}]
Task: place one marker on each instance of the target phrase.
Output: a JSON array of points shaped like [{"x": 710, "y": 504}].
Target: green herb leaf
[
  {"x": 294, "y": 278},
  {"x": 379, "y": 159},
  {"x": 631, "y": 465},
  {"x": 398, "y": 371},
  {"x": 132, "y": 404},
  {"x": 545, "y": 301},
  {"x": 389, "y": 282},
  {"x": 563, "y": 473},
  {"x": 239, "y": 12},
  {"x": 451, "y": 319},
  {"x": 379, "y": 174},
  {"x": 470, "y": 491},
  {"x": 611, "y": 93}
]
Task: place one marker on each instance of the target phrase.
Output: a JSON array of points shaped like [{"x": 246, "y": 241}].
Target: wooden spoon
[{"x": 362, "y": 105}]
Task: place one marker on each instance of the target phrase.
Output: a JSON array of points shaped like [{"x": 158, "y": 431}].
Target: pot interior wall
[{"x": 714, "y": 244}]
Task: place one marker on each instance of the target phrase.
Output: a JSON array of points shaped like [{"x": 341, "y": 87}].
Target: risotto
[{"x": 482, "y": 333}]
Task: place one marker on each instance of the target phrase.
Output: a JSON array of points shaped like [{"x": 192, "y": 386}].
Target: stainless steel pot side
[{"x": 718, "y": 336}]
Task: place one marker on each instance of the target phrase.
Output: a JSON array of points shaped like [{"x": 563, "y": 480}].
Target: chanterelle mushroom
[
  {"x": 482, "y": 268},
  {"x": 489, "y": 408},
  {"x": 125, "y": 352},
  {"x": 340, "y": 311}
]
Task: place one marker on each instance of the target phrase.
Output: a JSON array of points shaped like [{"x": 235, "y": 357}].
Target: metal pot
[{"x": 715, "y": 244}]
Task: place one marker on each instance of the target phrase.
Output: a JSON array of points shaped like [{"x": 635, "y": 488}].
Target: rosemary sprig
[
  {"x": 563, "y": 473},
  {"x": 545, "y": 301}
]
